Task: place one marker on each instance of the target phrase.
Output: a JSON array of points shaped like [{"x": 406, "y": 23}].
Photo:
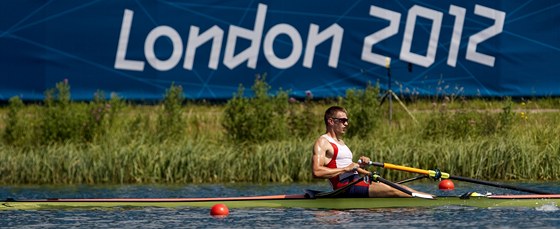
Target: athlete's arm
[{"x": 320, "y": 160}]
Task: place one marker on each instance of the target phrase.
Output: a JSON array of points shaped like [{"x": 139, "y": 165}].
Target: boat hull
[{"x": 284, "y": 201}]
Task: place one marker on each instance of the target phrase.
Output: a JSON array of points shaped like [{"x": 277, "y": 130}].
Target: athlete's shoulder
[{"x": 323, "y": 145}]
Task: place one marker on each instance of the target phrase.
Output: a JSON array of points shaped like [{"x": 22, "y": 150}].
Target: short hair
[{"x": 329, "y": 113}]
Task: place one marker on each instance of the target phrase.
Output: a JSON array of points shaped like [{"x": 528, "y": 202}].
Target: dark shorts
[{"x": 359, "y": 190}]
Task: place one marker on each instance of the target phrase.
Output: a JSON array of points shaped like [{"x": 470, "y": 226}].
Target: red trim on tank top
[{"x": 332, "y": 164}]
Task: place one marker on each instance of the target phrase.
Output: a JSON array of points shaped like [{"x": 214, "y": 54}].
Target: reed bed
[
  {"x": 109, "y": 141},
  {"x": 203, "y": 161}
]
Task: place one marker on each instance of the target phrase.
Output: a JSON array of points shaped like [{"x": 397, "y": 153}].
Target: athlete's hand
[
  {"x": 352, "y": 167},
  {"x": 364, "y": 161}
]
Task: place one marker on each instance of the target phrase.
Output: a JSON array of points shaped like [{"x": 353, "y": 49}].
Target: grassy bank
[{"x": 268, "y": 138}]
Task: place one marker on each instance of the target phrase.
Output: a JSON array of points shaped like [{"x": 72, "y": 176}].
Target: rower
[{"x": 332, "y": 160}]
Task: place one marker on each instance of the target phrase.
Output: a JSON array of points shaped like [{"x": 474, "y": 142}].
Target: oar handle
[
  {"x": 376, "y": 164},
  {"x": 370, "y": 163}
]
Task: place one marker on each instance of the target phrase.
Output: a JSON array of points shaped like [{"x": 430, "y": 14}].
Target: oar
[
  {"x": 319, "y": 194},
  {"x": 412, "y": 179},
  {"x": 438, "y": 174},
  {"x": 400, "y": 188}
]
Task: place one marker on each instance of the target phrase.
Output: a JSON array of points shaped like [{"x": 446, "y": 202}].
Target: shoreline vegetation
[{"x": 268, "y": 137}]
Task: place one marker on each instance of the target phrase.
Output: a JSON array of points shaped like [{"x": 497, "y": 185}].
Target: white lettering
[
  {"x": 296, "y": 46},
  {"x": 414, "y": 58},
  {"x": 459, "y": 13},
  {"x": 474, "y": 40},
  {"x": 250, "y": 54},
  {"x": 196, "y": 40},
  {"x": 314, "y": 38},
  {"x": 233, "y": 58},
  {"x": 120, "y": 61},
  {"x": 163, "y": 31},
  {"x": 374, "y": 38}
]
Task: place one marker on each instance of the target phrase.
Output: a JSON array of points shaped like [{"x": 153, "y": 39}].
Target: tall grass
[{"x": 267, "y": 138}]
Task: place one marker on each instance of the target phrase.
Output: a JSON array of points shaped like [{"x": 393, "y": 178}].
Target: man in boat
[{"x": 332, "y": 160}]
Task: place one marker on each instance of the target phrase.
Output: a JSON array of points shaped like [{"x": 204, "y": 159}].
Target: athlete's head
[{"x": 335, "y": 113}]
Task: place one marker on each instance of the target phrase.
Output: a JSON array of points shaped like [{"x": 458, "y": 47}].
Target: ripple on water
[{"x": 548, "y": 208}]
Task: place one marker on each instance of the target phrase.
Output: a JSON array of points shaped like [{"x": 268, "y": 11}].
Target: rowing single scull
[
  {"x": 286, "y": 201},
  {"x": 315, "y": 199}
]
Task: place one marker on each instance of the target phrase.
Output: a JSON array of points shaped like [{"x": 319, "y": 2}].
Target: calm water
[{"x": 441, "y": 217}]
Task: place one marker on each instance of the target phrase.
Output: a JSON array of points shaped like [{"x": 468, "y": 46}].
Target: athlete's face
[{"x": 340, "y": 122}]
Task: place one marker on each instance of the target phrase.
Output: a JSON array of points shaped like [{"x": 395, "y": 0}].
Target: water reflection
[{"x": 333, "y": 217}]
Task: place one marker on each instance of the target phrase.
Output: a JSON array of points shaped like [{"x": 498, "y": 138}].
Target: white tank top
[{"x": 342, "y": 157}]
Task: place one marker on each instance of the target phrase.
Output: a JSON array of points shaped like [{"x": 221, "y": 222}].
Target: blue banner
[{"x": 137, "y": 49}]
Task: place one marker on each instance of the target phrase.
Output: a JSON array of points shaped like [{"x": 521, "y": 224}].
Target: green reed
[
  {"x": 280, "y": 161},
  {"x": 268, "y": 138}
]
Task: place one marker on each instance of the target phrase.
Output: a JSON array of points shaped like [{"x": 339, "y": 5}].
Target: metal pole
[{"x": 389, "y": 91}]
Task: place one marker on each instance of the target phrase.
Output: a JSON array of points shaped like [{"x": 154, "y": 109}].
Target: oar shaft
[
  {"x": 466, "y": 179},
  {"x": 393, "y": 185},
  {"x": 404, "y": 168},
  {"x": 430, "y": 173},
  {"x": 401, "y": 188},
  {"x": 438, "y": 175},
  {"x": 412, "y": 179}
]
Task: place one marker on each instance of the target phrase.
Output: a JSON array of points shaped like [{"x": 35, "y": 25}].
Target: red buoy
[
  {"x": 446, "y": 185},
  {"x": 220, "y": 210}
]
